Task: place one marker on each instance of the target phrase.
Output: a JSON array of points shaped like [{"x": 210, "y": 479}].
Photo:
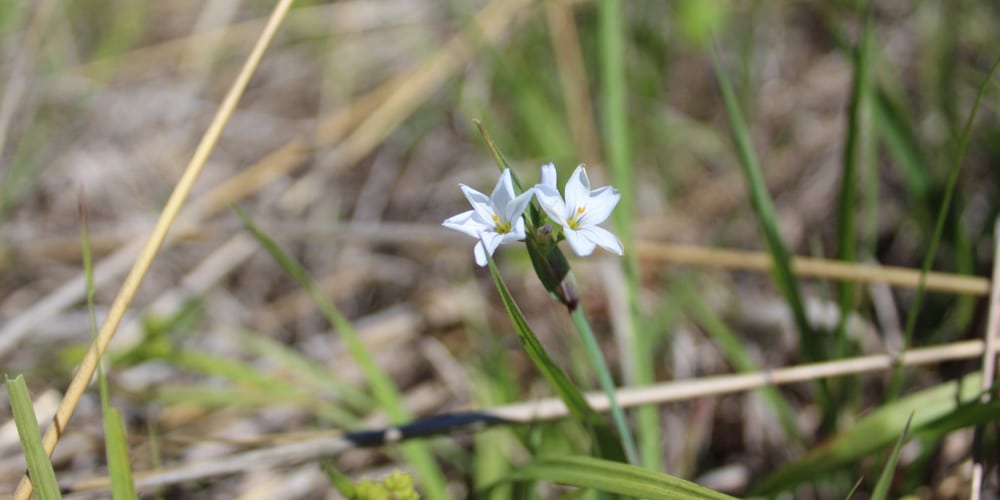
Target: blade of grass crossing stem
[
  {"x": 613, "y": 80},
  {"x": 115, "y": 441},
  {"x": 43, "y": 477},
  {"x": 956, "y": 167},
  {"x": 613, "y": 477},
  {"x": 738, "y": 356},
  {"x": 871, "y": 433},
  {"x": 881, "y": 491},
  {"x": 761, "y": 202},
  {"x": 856, "y": 132},
  {"x": 384, "y": 390},
  {"x": 606, "y": 443}
]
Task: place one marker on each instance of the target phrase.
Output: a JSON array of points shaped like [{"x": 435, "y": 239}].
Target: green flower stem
[{"x": 608, "y": 385}]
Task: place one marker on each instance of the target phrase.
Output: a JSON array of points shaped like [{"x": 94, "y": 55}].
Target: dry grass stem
[
  {"x": 681, "y": 390},
  {"x": 812, "y": 267},
  {"x": 131, "y": 285},
  {"x": 989, "y": 367}
]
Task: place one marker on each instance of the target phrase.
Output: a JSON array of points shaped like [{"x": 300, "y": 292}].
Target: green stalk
[
  {"x": 856, "y": 128},
  {"x": 760, "y": 199},
  {"x": 613, "y": 81},
  {"x": 608, "y": 385}
]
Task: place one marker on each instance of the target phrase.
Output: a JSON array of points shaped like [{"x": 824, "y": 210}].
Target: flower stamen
[{"x": 574, "y": 221}]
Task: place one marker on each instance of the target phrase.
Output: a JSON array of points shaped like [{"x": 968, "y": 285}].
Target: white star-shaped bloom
[
  {"x": 581, "y": 212},
  {"x": 493, "y": 220}
]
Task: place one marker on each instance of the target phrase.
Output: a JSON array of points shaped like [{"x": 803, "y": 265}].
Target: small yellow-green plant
[{"x": 395, "y": 486}]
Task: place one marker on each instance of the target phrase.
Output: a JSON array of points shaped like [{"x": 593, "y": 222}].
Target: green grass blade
[
  {"x": 761, "y": 201},
  {"x": 607, "y": 383},
  {"x": 871, "y": 433},
  {"x": 607, "y": 445},
  {"x": 119, "y": 464},
  {"x": 338, "y": 479},
  {"x": 115, "y": 441},
  {"x": 612, "y": 38},
  {"x": 857, "y": 126},
  {"x": 43, "y": 477},
  {"x": 902, "y": 145},
  {"x": 418, "y": 454},
  {"x": 881, "y": 491},
  {"x": 854, "y": 489},
  {"x": 612, "y": 477},
  {"x": 956, "y": 167}
]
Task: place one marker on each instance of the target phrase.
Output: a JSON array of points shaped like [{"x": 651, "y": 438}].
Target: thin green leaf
[
  {"x": 612, "y": 477},
  {"x": 338, "y": 479},
  {"x": 498, "y": 155},
  {"x": 119, "y": 464},
  {"x": 857, "y": 484},
  {"x": 607, "y": 383},
  {"x": 533, "y": 218},
  {"x": 949, "y": 192},
  {"x": 967, "y": 415},
  {"x": 606, "y": 443},
  {"x": 760, "y": 199},
  {"x": 384, "y": 390},
  {"x": 43, "y": 477},
  {"x": 902, "y": 144},
  {"x": 115, "y": 440},
  {"x": 871, "y": 433},
  {"x": 881, "y": 491},
  {"x": 857, "y": 128},
  {"x": 612, "y": 39}
]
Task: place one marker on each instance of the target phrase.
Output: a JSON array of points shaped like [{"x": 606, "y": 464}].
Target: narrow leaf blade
[
  {"x": 613, "y": 477},
  {"x": 43, "y": 476}
]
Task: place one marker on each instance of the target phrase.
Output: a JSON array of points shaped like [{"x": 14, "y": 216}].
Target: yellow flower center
[{"x": 502, "y": 227}]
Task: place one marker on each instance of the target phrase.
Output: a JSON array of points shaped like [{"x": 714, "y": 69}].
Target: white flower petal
[
  {"x": 602, "y": 237},
  {"x": 492, "y": 241},
  {"x": 467, "y": 222},
  {"x": 503, "y": 193},
  {"x": 577, "y": 190},
  {"x": 516, "y": 232},
  {"x": 480, "y": 202},
  {"x": 579, "y": 242},
  {"x": 516, "y": 207},
  {"x": 549, "y": 176},
  {"x": 479, "y": 254},
  {"x": 602, "y": 201},
  {"x": 552, "y": 203}
]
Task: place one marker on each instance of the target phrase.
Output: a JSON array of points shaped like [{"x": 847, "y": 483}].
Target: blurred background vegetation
[{"x": 347, "y": 150}]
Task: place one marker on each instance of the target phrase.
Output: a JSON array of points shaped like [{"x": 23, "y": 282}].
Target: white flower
[
  {"x": 581, "y": 212},
  {"x": 493, "y": 220}
]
